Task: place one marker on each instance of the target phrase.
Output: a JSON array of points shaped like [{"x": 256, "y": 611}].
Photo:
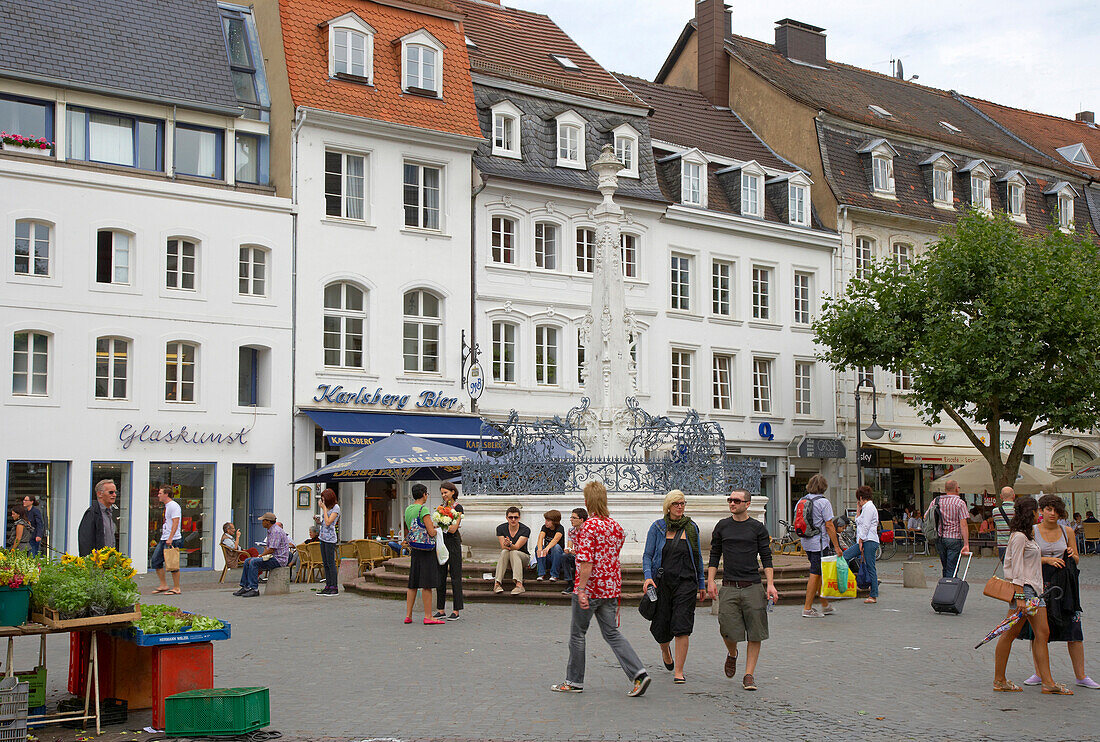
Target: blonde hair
[
  {"x": 595, "y": 499},
  {"x": 817, "y": 485},
  {"x": 671, "y": 497}
]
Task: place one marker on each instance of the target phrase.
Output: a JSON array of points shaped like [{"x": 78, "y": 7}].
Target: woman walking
[
  {"x": 1060, "y": 559},
  {"x": 423, "y": 566},
  {"x": 1023, "y": 567},
  {"x": 330, "y": 517},
  {"x": 673, "y": 563},
  {"x": 867, "y": 545}
]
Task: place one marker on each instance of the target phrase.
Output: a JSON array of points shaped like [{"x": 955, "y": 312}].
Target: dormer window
[
  {"x": 571, "y": 140},
  {"x": 1065, "y": 195},
  {"x": 798, "y": 200},
  {"x": 422, "y": 64},
  {"x": 980, "y": 174},
  {"x": 752, "y": 190},
  {"x": 883, "y": 174},
  {"x": 351, "y": 48},
  {"x": 506, "y": 118},
  {"x": 882, "y": 166},
  {"x": 1076, "y": 154},
  {"x": 1015, "y": 194},
  {"x": 943, "y": 195},
  {"x": 1015, "y": 199},
  {"x": 691, "y": 183},
  {"x": 626, "y": 149}
]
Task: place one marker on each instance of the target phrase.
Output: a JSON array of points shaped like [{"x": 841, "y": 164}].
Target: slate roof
[
  {"x": 538, "y": 144},
  {"x": 517, "y": 45},
  {"x": 306, "y": 45},
  {"x": 168, "y": 50},
  {"x": 849, "y": 179}
]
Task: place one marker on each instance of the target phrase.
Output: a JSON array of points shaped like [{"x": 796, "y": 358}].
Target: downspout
[
  {"x": 300, "y": 116},
  {"x": 473, "y": 264}
]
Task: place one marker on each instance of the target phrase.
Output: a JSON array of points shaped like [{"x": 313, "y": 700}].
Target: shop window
[
  {"x": 193, "y": 489},
  {"x": 120, "y": 473},
  {"x": 48, "y": 481}
]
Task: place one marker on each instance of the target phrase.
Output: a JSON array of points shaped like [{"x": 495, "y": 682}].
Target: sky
[{"x": 1041, "y": 55}]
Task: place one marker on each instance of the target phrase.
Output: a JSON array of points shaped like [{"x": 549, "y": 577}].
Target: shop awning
[
  {"x": 915, "y": 453},
  {"x": 366, "y": 428}
]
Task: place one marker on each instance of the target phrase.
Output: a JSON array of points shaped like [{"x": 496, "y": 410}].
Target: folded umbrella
[{"x": 1014, "y": 617}]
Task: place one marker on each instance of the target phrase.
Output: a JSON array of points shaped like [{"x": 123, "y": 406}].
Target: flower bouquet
[
  {"x": 444, "y": 516},
  {"x": 18, "y": 141},
  {"x": 18, "y": 569}
]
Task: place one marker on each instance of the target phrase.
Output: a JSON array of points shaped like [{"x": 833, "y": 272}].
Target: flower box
[
  {"x": 34, "y": 151},
  {"x": 50, "y": 617}
]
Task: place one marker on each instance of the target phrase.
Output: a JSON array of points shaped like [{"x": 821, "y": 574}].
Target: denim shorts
[
  {"x": 157, "y": 560},
  {"x": 1029, "y": 593}
]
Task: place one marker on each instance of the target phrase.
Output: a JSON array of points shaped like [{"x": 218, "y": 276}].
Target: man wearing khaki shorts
[{"x": 737, "y": 541}]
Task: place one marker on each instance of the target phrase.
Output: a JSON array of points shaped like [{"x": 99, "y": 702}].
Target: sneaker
[
  {"x": 497, "y": 588},
  {"x": 518, "y": 590},
  {"x": 567, "y": 592},
  {"x": 250, "y": 593},
  {"x": 540, "y": 578},
  {"x": 553, "y": 579},
  {"x": 1034, "y": 680},
  {"x": 1087, "y": 682},
  {"x": 828, "y": 611},
  {"x": 812, "y": 613},
  {"x": 328, "y": 593},
  {"x": 453, "y": 617},
  {"x": 240, "y": 591},
  {"x": 439, "y": 614},
  {"x": 640, "y": 686},
  {"x": 566, "y": 687}
]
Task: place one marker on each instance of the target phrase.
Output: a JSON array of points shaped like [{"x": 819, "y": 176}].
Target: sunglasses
[
  {"x": 735, "y": 500},
  {"x": 513, "y": 517}
]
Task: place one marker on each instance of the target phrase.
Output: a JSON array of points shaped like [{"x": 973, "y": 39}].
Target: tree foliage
[{"x": 994, "y": 326}]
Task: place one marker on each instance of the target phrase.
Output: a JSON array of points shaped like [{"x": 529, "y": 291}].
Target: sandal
[
  {"x": 1057, "y": 690},
  {"x": 668, "y": 665},
  {"x": 871, "y": 600},
  {"x": 748, "y": 682},
  {"x": 1006, "y": 687},
  {"x": 679, "y": 681},
  {"x": 160, "y": 590},
  {"x": 172, "y": 592}
]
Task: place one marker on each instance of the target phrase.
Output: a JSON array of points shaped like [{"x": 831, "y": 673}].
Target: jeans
[
  {"x": 569, "y": 568},
  {"x": 870, "y": 552},
  {"x": 250, "y": 575},
  {"x": 950, "y": 549},
  {"x": 34, "y": 546},
  {"x": 605, "y": 610},
  {"x": 553, "y": 557},
  {"x": 328, "y": 559},
  {"x": 452, "y": 569}
]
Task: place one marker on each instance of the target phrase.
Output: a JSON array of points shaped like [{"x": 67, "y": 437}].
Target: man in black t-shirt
[
  {"x": 453, "y": 541},
  {"x": 742, "y": 602},
  {"x": 513, "y": 537}
]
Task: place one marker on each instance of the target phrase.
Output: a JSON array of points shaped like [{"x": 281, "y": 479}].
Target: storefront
[{"x": 901, "y": 474}]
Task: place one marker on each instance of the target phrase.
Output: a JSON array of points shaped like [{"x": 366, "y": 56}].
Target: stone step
[
  {"x": 783, "y": 567},
  {"x": 470, "y": 583}
]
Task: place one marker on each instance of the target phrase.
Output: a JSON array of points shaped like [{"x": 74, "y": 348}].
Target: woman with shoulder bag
[
  {"x": 1060, "y": 558},
  {"x": 328, "y": 521},
  {"x": 1023, "y": 567},
  {"x": 423, "y": 565},
  {"x": 673, "y": 563}
]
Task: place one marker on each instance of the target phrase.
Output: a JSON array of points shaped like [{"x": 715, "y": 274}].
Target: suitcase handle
[{"x": 968, "y": 558}]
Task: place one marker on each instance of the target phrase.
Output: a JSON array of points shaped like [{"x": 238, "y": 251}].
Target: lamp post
[{"x": 874, "y": 430}]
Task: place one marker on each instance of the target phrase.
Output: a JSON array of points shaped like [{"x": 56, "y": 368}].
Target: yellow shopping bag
[{"x": 829, "y": 586}]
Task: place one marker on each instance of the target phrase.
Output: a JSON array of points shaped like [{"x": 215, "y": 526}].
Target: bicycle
[
  {"x": 788, "y": 542},
  {"x": 886, "y": 550}
]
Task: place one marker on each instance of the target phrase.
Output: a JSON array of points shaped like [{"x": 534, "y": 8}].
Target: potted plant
[
  {"x": 27, "y": 145},
  {"x": 85, "y": 590},
  {"x": 19, "y": 571}
]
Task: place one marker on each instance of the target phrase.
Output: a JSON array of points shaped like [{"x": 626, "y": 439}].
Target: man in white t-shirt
[{"x": 170, "y": 535}]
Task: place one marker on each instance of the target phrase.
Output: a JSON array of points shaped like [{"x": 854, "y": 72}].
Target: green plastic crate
[
  {"x": 216, "y": 712},
  {"x": 36, "y": 678}
]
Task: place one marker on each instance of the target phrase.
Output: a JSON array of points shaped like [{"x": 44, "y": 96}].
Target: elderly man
[
  {"x": 273, "y": 557},
  {"x": 97, "y": 527}
]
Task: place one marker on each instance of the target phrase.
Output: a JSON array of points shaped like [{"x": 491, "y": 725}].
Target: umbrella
[
  {"x": 976, "y": 477},
  {"x": 1085, "y": 479},
  {"x": 399, "y": 456},
  {"x": 1018, "y": 615}
]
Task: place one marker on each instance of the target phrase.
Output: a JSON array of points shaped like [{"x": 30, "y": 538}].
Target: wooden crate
[{"x": 49, "y": 617}]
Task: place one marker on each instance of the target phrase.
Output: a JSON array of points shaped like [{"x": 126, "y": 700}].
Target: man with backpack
[
  {"x": 813, "y": 522},
  {"x": 946, "y": 527}
]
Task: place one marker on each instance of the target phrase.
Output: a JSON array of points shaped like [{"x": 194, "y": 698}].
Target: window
[
  {"x": 571, "y": 128},
  {"x": 865, "y": 253},
  {"x": 883, "y": 169},
  {"x": 546, "y": 355},
  {"x": 903, "y": 254},
  {"x": 349, "y": 52},
  {"x": 750, "y": 195},
  {"x": 721, "y": 296},
  {"x": 586, "y": 250},
  {"x": 111, "y": 366},
  {"x": 506, "y": 118},
  {"x": 941, "y": 186},
  {"x": 761, "y": 293},
  {"x": 248, "y": 166},
  {"x": 950, "y": 127},
  {"x": 252, "y": 376},
  {"x": 115, "y": 139},
  {"x": 565, "y": 62},
  {"x": 504, "y": 240},
  {"x": 881, "y": 112},
  {"x": 345, "y": 185},
  {"x": 1016, "y": 199},
  {"x": 26, "y": 117},
  {"x": 628, "y": 250},
  {"x": 30, "y": 364},
  {"x": 581, "y": 351},
  {"x": 681, "y": 378},
  {"x": 546, "y": 246},
  {"x": 32, "y": 247},
  {"x": 180, "y": 260},
  {"x": 504, "y": 352},
  {"x": 1065, "y": 210},
  {"x": 345, "y": 316},
  {"x": 691, "y": 183},
  {"x": 421, "y": 69},
  {"x": 722, "y": 381},
  {"x": 762, "y": 386},
  {"x": 979, "y": 191},
  {"x": 192, "y": 488},
  {"x": 865, "y": 374},
  {"x": 422, "y": 186},
  {"x": 252, "y": 279},
  {"x": 680, "y": 286},
  {"x": 903, "y": 380},
  {"x": 423, "y": 320},
  {"x": 803, "y": 308},
  {"x": 626, "y": 149},
  {"x": 798, "y": 212},
  {"x": 113, "y": 257},
  {"x": 1075, "y": 153},
  {"x": 803, "y": 390},
  {"x": 240, "y": 33},
  {"x": 198, "y": 151},
  {"x": 179, "y": 372}
]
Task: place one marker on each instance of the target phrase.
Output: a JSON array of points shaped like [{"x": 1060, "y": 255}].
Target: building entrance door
[{"x": 253, "y": 495}]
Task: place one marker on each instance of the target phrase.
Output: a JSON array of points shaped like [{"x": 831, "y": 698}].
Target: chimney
[
  {"x": 1086, "y": 117},
  {"x": 714, "y": 23},
  {"x": 800, "y": 41}
]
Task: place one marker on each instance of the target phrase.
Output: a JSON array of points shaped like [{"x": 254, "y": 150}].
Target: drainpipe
[
  {"x": 300, "y": 117},
  {"x": 473, "y": 264}
]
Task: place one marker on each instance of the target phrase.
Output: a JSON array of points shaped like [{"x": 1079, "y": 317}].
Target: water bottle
[
  {"x": 771, "y": 605},
  {"x": 651, "y": 593}
]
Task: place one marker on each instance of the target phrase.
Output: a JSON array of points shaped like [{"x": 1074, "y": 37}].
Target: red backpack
[{"x": 804, "y": 517}]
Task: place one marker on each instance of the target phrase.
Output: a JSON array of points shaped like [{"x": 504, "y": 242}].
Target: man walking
[
  {"x": 453, "y": 568},
  {"x": 1002, "y": 516},
  {"x": 737, "y": 541},
  {"x": 170, "y": 536},
  {"x": 597, "y": 590},
  {"x": 273, "y": 557},
  {"x": 950, "y": 515},
  {"x": 38, "y": 524},
  {"x": 820, "y": 512},
  {"x": 97, "y": 527}
]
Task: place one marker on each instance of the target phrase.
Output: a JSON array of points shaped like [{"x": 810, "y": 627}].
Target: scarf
[{"x": 684, "y": 523}]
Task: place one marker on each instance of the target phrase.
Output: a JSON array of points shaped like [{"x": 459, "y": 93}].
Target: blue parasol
[{"x": 399, "y": 456}]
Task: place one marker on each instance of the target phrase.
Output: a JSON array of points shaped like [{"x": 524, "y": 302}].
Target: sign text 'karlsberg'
[{"x": 335, "y": 394}]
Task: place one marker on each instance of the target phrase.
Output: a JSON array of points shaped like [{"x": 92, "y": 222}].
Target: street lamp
[{"x": 874, "y": 430}]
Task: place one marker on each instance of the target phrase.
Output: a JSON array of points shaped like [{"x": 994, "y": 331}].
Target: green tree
[{"x": 995, "y": 327}]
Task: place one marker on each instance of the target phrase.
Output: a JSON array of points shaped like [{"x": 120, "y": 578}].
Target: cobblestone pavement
[{"x": 346, "y": 668}]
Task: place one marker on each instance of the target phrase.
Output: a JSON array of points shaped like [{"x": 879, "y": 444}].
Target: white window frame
[
  {"x": 247, "y": 274},
  {"x": 504, "y": 371},
  {"x": 798, "y": 200},
  {"x": 763, "y": 387},
  {"x": 722, "y": 382},
  {"x": 882, "y": 166},
  {"x": 943, "y": 177},
  {"x": 570, "y": 124},
  {"x": 752, "y": 190},
  {"x": 625, "y": 138},
  {"x": 680, "y": 373},
  {"x": 803, "y": 388},
  {"x": 28, "y": 371},
  {"x": 903, "y": 381},
  {"x": 349, "y": 24},
  {"x": 586, "y": 250},
  {"x": 110, "y": 356},
  {"x": 33, "y": 245},
  {"x": 503, "y": 234},
  {"x": 175, "y": 279},
  {"x": 979, "y": 192},
  {"x": 547, "y": 248},
  {"x": 420, "y": 325},
  {"x": 693, "y": 179},
  {"x": 863, "y": 255},
  {"x": 679, "y": 290},
  {"x": 421, "y": 206},
  {"x": 902, "y": 254},
  {"x": 1017, "y": 200},
  {"x": 1065, "y": 211},
  {"x": 117, "y": 250},
  {"x": 347, "y": 181},
  {"x": 547, "y": 355},
  {"x": 185, "y": 391},
  {"x": 721, "y": 287},
  {"x": 342, "y": 314},
  {"x": 629, "y": 248},
  {"x": 420, "y": 41},
  {"x": 803, "y": 295},
  {"x": 506, "y": 119},
  {"x": 762, "y": 293}
]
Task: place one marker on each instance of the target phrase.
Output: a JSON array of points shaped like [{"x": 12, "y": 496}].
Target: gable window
[
  {"x": 903, "y": 254},
  {"x": 179, "y": 372},
  {"x": 506, "y": 133},
  {"x": 721, "y": 294},
  {"x": 345, "y": 185},
  {"x": 421, "y": 69},
  {"x": 504, "y": 352},
  {"x": 111, "y": 366},
  {"x": 798, "y": 211},
  {"x": 113, "y": 257},
  {"x": 865, "y": 252},
  {"x": 883, "y": 173},
  {"x": 803, "y": 294},
  {"x": 1016, "y": 199},
  {"x": 691, "y": 183},
  {"x": 626, "y": 150},
  {"x": 504, "y": 240},
  {"x": 750, "y": 195},
  {"x": 571, "y": 140},
  {"x": 586, "y": 250},
  {"x": 941, "y": 186},
  {"x": 345, "y": 317},
  {"x": 422, "y": 185},
  {"x": 979, "y": 191},
  {"x": 30, "y": 364},
  {"x": 546, "y": 246},
  {"x": 546, "y": 355},
  {"x": 761, "y": 293},
  {"x": 180, "y": 261},
  {"x": 252, "y": 274},
  {"x": 681, "y": 378},
  {"x": 1075, "y": 153},
  {"x": 26, "y": 117},
  {"x": 32, "y": 247},
  {"x": 115, "y": 139},
  {"x": 680, "y": 293},
  {"x": 722, "y": 382},
  {"x": 762, "y": 385},
  {"x": 628, "y": 249},
  {"x": 423, "y": 320},
  {"x": 803, "y": 389},
  {"x": 1065, "y": 210},
  {"x": 350, "y": 53}
]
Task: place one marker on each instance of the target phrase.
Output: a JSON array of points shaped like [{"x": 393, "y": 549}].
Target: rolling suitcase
[{"x": 950, "y": 594}]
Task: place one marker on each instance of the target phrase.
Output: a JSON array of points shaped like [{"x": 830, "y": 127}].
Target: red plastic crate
[
  {"x": 178, "y": 668},
  {"x": 79, "y": 644}
]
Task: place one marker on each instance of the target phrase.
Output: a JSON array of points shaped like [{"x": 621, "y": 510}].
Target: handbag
[
  {"x": 418, "y": 534},
  {"x": 171, "y": 559},
  {"x": 998, "y": 588},
  {"x": 441, "y": 552}
]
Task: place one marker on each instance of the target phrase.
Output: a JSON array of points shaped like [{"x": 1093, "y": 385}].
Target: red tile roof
[
  {"x": 517, "y": 45},
  {"x": 306, "y": 44}
]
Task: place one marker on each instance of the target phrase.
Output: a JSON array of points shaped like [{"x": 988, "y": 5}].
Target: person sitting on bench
[{"x": 276, "y": 555}]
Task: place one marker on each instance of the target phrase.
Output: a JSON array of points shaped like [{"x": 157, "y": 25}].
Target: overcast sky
[{"x": 1039, "y": 55}]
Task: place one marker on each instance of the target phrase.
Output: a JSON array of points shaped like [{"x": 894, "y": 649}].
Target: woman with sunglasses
[{"x": 673, "y": 563}]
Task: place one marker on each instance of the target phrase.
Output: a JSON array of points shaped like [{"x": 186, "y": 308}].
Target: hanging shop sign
[
  {"x": 475, "y": 381},
  {"x": 868, "y": 457},
  {"x": 130, "y": 434},
  {"x": 822, "y": 448},
  {"x": 336, "y": 394}
]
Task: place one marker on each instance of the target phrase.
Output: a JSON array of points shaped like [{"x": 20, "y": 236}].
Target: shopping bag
[
  {"x": 441, "y": 552},
  {"x": 841, "y": 570},
  {"x": 171, "y": 559},
  {"x": 830, "y": 587}
]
